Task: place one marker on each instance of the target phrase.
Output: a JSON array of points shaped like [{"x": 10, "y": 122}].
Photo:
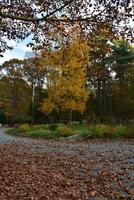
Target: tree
[
  {"x": 123, "y": 85},
  {"x": 2, "y": 117},
  {"x": 14, "y": 98},
  {"x": 99, "y": 70},
  {"x": 110, "y": 76},
  {"x": 46, "y": 19},
  {"x": 123, "y": 57},
  {"x": 35, "y": 77},
  {"x": 66, "y": 78}
]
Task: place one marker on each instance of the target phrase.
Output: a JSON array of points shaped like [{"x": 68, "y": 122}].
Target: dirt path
[{"x": 61, "y": 170}]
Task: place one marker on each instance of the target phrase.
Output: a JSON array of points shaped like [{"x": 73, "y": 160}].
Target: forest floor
[{"x": 35, "y": 169}]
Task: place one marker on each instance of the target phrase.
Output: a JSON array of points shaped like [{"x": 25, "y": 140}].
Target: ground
[{"x": 33, "y": 169}]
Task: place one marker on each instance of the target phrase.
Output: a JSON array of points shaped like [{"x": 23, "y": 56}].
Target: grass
[
  {"x": 14, "y": 131},
  {"x": 40, "y": 133},
  {"x": 44, "y": 134},
  {"x": 54, "y": 131}
]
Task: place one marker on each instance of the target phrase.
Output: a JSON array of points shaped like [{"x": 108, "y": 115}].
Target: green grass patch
[
  {"x": 15, "y": 131},
  {"x": 47, "y": 134}
]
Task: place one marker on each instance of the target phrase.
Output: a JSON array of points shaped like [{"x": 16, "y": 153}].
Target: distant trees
[
  {"x": 92, "y": 79},
  {"x": 112, "y": 68},
  {"x": 3, "y": 119},
  {"x": 99, "y": 71},
  {"x": 14, "y": 89},
  {"x": 34, "y": 75},
  {"x": 123, "y": 85},
  {"x": 22, "y": 89}
]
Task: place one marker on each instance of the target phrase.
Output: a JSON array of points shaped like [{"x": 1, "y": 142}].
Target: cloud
[
  {"x": 19, "y": 50},
  {"x": 10, "y": 55},
  {"x": 24, "y": 48}
]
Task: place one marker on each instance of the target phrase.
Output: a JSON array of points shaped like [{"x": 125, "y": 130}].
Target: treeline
[{"x": 82, "y": 80}]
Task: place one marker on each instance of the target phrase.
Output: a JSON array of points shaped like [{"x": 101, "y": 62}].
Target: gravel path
[{"x": 62, "y": 170}]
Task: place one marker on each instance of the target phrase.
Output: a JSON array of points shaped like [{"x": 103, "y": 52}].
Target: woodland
[
  {"x": 81, "y": 67},
  {"x": 70, "y": 102}
]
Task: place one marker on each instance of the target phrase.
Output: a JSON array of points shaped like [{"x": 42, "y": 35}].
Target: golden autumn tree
[{"x": 66, "y": 78}]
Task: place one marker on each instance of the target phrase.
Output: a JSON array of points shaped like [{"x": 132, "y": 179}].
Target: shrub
[
  {"x": 119, "y": 131},
  {"x": 79, "y": 127},
  {"x": 129, "y": 131},
  {"x": 86, "y": 134},
  {"x": 28, "y": 119},
  {"x": 52, "y": 127},
  {"x": 25, "y": 127},
  {"x": 100, "y": 130},
  {"x": 38, "y": 126},
  {"x": 74, "y": 123},
  {"x": 65, "y": 131}
]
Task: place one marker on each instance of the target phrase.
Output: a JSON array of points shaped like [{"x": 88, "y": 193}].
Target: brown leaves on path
[{"x": 66, "y": 171}]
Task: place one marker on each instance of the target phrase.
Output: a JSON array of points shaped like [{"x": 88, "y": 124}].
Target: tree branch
[
  {"x": 59, "y": 9},
  {"x": 35, "y": 19},
  {"x": 48, "y": 19}
]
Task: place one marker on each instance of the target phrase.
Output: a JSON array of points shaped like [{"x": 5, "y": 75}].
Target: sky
[{"x": 19, "y": 50}]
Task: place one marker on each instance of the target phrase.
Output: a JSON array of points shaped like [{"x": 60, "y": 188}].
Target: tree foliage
[
  {"x": 14, "y": 90},
  {"x": 66, "y": 78},
  {"x": 123, "y": 85},
  {"x": 46, "y": 19},
  {"x": 56, "y": 81}
]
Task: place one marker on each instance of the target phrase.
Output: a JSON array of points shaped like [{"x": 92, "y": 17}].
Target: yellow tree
[{"x": 66, "y": 78}]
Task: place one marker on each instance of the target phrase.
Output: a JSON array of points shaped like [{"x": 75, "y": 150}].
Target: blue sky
[{"x": 19, "y": 50}]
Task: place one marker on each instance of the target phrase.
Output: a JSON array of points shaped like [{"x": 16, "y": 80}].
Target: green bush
[
  {"x": 86, "y": 134},
  {"x": 79, "y": 127},
  {"x": 25, "y": 127},
  {"x": 52, "y": 127},
  {"x": 119, "y": 131},
  {"x": 100, "y": 131},
  {"x": 38, "y": 126},
  {"x": 65, "y": 131},
  {"x": 129, "y": 131}
]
